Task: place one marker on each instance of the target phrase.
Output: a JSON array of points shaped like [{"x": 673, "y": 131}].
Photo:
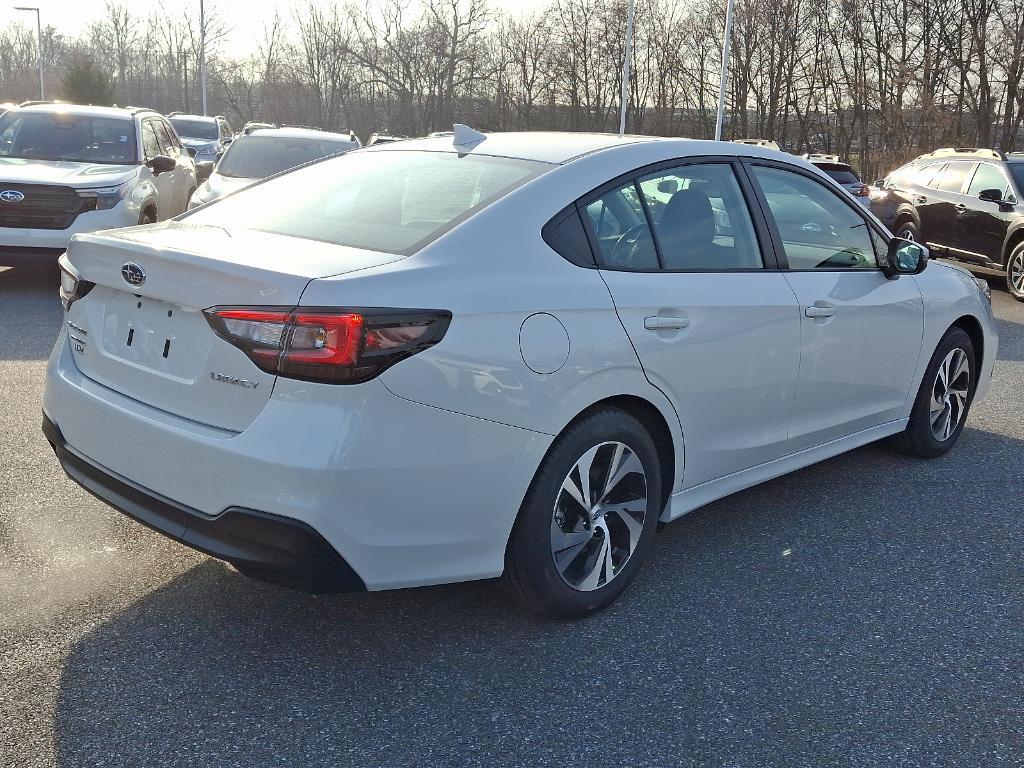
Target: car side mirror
[
  {"x": 880, "y": 183},
  {"x": 191, "y": 152},
  {"x": 227, "y": 140},
  {"x": 668, "y": 186},
  {"x": 904, "y": 257},
  {"x": 161, "y": 164},
  {"x": 991, "y": 195}
]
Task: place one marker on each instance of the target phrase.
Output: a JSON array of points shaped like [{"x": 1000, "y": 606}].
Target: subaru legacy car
[
  {"x": 489, "y": 356},
  {"x": 66, "y": 169},
  {"x": 264, "y": 152}
]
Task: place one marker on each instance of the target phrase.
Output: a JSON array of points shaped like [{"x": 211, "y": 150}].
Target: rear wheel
[
  {"x": 1015, "y": 272},
  {"x": 587, "y": 523},
  {"x": 944, "y": 399},
  {"x": 148, "y": 217},
  {"x": 908, "y": 231}
]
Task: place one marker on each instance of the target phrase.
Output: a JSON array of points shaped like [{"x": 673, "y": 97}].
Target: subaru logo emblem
[
  {"x": 132, "y": 273},
  {"x": 11, "y": 196}
]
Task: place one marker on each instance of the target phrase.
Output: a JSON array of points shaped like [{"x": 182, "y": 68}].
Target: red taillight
[
  {"x": 862, "y": 191},
  {"x": 338, "y": 346}
]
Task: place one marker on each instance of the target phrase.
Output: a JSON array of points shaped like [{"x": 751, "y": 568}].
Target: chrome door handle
[
  {"x": 961, "y": 208},
  {"x": 814, "y": 311},
  {"x": 657, "y": 323},
  {"x": 921, "y": 199}
]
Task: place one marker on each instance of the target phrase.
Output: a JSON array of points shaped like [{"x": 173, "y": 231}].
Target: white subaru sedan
[{"x": 508, "y": 355}]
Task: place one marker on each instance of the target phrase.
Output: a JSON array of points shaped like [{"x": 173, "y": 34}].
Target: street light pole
[
  {"x": 624, "y": 95},
  {"x": 202, "y": 52},
  {"x": 725, "y": 70},
  {"x": 39, "y": 37}
]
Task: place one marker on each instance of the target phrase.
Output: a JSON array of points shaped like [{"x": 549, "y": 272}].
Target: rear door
[
  {"x": 714, "y": 324},
  {"x": 860, "y": 331}
]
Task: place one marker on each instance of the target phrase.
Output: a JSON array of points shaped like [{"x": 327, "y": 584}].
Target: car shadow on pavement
[
  {"x": 864, "y": 611},
  {"x": 29, "y": 325}
]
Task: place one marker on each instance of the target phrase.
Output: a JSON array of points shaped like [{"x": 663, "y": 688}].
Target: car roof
[
  {"x": 559, "y": 148},
  {"x": 82, "y": 109},
  {"x": 203, "y": 118},
  {"x": 300, "y": 133}
]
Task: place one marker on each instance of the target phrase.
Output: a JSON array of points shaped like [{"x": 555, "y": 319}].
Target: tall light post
[
  {"x": 725, "y": 70},
  {"x": 624, "y": 94},
  {"x": 39, "y": 34},
  {"x": 202, "y": 52}
]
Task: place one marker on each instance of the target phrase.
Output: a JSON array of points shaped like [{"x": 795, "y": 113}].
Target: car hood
[
  {"x": 18, "y": 171},
  {"x": 218, "y": 186}
]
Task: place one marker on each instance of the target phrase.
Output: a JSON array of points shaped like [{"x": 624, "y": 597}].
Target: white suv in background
[{"x": 66, "y": 169}]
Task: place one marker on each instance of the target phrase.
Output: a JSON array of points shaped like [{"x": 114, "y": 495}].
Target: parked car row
[{"x": 67, "y": 169}]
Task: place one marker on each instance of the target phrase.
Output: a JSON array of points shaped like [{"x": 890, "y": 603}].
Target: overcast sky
[{"x": 247, "y": 17}]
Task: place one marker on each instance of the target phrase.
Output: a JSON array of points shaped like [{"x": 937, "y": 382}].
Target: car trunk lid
[{"x": 149, "y": 339}]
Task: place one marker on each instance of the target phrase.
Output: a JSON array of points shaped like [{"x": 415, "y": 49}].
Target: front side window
[
  {"x": 618, "y": 222},
  {"x": 700, "y": 218},
  {"x": 952, "y": 177},
  {"x": 395, "y": 202},
  {"x": 928, "y": 175},
  {"x": 167, "y": 145},
  {"x": 818, "y": 229},
  {"x": 150, "y": 141},
  {"x": 989, "y": 176},
  {"x": 67, "y": 136}
]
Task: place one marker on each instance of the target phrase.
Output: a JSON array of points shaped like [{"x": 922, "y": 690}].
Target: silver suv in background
[
  {"x": 66, "y": 169},
  {"x": 266, "y": 151},
  {"x": 208, "y": 136}
]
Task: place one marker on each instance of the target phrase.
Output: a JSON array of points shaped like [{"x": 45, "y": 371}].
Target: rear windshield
[
  {"x": 67, "y": 136},
  {"x": 841, "y": 173},
  {"x": 256, "y": 157},
  {"x": 195, "y": 129},
  {"x": 395, "y": 202}
]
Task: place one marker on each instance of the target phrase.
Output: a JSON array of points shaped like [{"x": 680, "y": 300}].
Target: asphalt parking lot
[{"x": 864, "y": 612}]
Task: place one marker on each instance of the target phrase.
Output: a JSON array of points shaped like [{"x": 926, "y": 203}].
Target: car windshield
[
  {"x": 67, "y": 136},
  {"x": 1017, "y": 171},
  {"x": 255, "y": 157},
  {"x": 195, "y": 129},
  {"x": 395, "y": 201}
]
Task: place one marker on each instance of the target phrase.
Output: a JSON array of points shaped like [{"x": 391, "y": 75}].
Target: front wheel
[
  {"x": 588, "y": 520},
  {"x": 944, "y": 399},
  {"x": 1015, "y": 272}
]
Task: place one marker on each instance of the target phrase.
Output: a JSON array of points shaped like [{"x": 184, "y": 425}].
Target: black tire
[
  {"x": 1015, "y": 272},
  {"x": 919, "y": 438},
  {"x": 908, "y": 231},
  {"x": 147, "y": 217},
  {"x": 531, "y": 575}
]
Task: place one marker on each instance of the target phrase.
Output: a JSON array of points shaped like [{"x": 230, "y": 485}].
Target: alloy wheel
[
  {"x": 598, "y": 516},
  {"x": 907, "y": 234},
  {"x": 949, "y": 394},
  {"x": 1015, "y": 273}
]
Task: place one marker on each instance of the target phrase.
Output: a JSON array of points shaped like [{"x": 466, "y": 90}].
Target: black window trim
[
  {"x": 768, "y": 250},
  {"x": 779, "y": 246},
  {"x": 152, "y": 121},
  {"x": 1007, "y": 178}
]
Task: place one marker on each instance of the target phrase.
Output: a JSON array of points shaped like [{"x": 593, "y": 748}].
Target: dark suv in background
[{"x": 965, "y": 204}]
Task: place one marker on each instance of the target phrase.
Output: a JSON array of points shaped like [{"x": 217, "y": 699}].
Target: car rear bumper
[
  {"x": 406, "y": 494},
  {"x": 122, "y": 215},
  {"x": 269, "y": 547}
]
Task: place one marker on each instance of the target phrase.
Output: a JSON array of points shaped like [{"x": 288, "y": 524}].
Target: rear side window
[
  {"x": 840, "y": 174},
  {"x": 395, "y": 202},
  {"x": 701, "y": 219},
  {"x": 952, "y": 177},
  {"x": 818, "y": 229},
  {"x": 926, "y": 176},
  {"x": 618, "y": 222}
]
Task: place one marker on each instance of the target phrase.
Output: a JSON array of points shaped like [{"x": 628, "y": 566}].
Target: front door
[
  {"x": 714, "y": 328},
  {"x": 981, "y": 225},
  {"x": 860, "y": 332}
]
